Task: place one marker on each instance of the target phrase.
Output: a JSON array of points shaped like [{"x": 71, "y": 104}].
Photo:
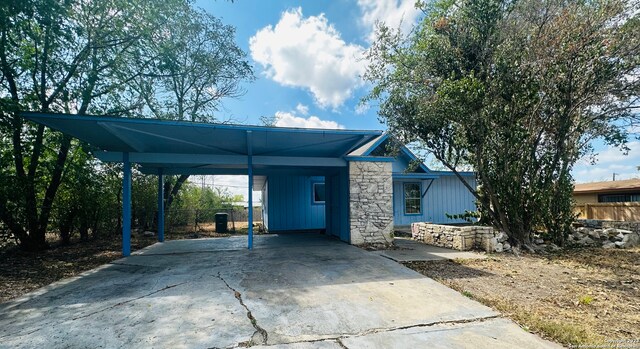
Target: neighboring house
[
  {"x": 294, "y": 203},
  {"x": 610, "y": 200}
]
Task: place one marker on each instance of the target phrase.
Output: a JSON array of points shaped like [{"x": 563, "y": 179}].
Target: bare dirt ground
[
  {"x": 209, "y": 230},
  {"x": 22, "y": 272},
  {"x": 576, "y": 297}
]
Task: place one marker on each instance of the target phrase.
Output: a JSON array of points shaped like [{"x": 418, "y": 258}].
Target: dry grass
[
  {"x": 204, "y": 230},
  {"x": 535, "y": 321},
  {"x": 22, "y": 272},
  {"x": 577, "y": 297}
]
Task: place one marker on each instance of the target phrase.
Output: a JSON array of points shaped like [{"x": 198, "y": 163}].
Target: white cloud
[
  {"x": 284, "y": 119},
  {"x": 302, "y": 109},
  {"x": 609, "y": 161},
  {"x": 394, "y": 13},
  {"x": 309, "y": 53},
  {"x": 615, "y": 155},
  {"x": 604, "y": 173},
  {"x": 362, "y": 108}
]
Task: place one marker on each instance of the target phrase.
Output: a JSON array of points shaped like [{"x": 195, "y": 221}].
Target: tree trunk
[
  {"x": 174, "y": 191},
  {"x": 54, "y": 184},
  {"x": 84, "y": 230},
  {"x": 34, "y": 244},
  {"x": 65, "y": 227},
  {"x": 94, "y": 227}
]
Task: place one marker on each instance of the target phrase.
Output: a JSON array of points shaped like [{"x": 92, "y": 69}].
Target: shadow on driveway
[{"x": 216, "y": 293}]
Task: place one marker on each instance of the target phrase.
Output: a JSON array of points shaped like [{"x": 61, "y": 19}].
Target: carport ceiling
[{"x": 199, "y": 148}]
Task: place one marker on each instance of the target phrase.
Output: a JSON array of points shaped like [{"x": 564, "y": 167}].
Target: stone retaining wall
[
  {"x": 596, "y": 223},
  {"x": 608, "y": 234},
  {"x": 595, "y": 233},
  {"x": 370, "y": 202},
  {"x": 461, "y": 238}
]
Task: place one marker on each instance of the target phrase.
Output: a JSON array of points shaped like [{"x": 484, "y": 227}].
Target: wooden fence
[{"x": 613, "y": 211}]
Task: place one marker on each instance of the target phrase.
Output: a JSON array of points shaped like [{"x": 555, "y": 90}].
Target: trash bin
[{"x": 221, "y": 222}]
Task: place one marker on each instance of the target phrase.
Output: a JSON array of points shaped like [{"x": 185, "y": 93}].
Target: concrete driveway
[{"x": 291, "y": 291}]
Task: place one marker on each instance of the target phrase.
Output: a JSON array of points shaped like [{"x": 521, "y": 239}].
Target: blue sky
[
  {"x": 318, "y": 71},
  {"x": 307, "y": 61}
]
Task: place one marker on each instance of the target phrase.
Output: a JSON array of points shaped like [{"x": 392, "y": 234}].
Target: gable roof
[
  {"x": 422, "y": 171},
  {"x": 370, "y": 146},
  {"x": 380, "y": 141},
  {"x": 608, "y": 186},
  {"x": 412, "y": 157}
]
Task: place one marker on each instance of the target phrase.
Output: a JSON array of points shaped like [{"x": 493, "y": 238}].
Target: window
[
  {"x": 318, "y": 193},
  {"x": 634, "y": 197},
  {"x": 412, "y": 198}
]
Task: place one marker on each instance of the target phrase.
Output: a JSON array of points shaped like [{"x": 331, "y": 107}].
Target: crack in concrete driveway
[
  {"x": 128, "y": 301},
  {"x": 258, "y": 337},
  {"x": 298, "y": 291}
]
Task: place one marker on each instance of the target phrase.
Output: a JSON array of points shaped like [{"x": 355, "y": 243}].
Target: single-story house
[
  {"x": 627, "y": 190},
  {"x": 610, "y": 200},
  {"x": 340, "y": 181},
  {"x": 416, "y": 193}
]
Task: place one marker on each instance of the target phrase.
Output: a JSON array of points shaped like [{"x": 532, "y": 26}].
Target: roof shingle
[{"x": 608, "y": 186}]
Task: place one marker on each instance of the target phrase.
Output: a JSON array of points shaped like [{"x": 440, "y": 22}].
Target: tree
[
  {"x": 56, "y": 57},
  {"x": 198, "y": 63},
  {"x": 78, "y": 198},
  {"x": 75, "y": 57},
  {"x": 517, "y": 89}
]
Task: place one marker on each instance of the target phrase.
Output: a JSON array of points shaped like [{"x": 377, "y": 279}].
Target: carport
[{"x": 162, "y": 148}]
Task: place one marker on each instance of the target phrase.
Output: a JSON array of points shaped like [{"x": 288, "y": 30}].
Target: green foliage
[
  {"x": 196, "y": 63},
  {"x": 585, "y": 300},
  {"x": 200, "y": 204},
  {"x": 517, "y": 90},
  {"x": 467, "y": 216},
  {"x": 204, "y": 198},
  {"x": 468, "y": 294},
  {"x": 149, "y": 58}
]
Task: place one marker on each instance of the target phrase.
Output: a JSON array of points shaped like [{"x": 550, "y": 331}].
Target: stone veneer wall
[
  {"x": 461, "y": 238},
  {"x": 370, "y": 202}
]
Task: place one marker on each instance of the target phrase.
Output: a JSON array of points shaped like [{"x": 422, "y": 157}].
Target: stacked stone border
[
  {"x": 586, "y": 233},
  {"x": 608, "y": 234},
  {"x": 462, "y": 238}
]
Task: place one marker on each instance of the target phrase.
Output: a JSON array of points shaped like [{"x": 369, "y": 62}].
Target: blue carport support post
[
  {"x": 160, "y": 206},
  {"x": 250, "y": 172},
  {"x": 126, "y": 205}
]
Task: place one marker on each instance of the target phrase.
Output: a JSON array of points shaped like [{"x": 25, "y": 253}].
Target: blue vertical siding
[
  {"x": 446, "y": 195},
  {"x": 331, "y": 204},
  {"x": 290, "y": 203},
  {"x": 337, "y": 205}
]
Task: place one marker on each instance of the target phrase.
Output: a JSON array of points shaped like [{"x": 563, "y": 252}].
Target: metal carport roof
[
  {"x": 178, "y": 147},
  {"x": 198, "y": 148}
]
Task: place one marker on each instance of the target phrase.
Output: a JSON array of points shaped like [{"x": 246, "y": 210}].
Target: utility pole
[{"x": 614, "y": 176}]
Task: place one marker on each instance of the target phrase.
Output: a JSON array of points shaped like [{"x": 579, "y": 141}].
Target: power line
[{"x": 204, "y": 182}]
